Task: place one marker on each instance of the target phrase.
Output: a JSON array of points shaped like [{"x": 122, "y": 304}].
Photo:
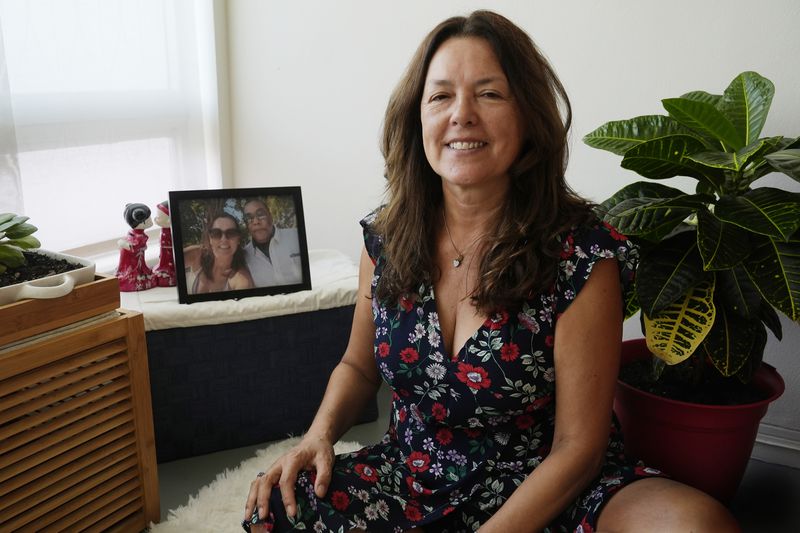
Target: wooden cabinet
[{"x": 77, "y": 450}]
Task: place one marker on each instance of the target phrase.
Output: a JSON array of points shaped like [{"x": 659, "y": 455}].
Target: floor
[{"x": 768, "y": 499}]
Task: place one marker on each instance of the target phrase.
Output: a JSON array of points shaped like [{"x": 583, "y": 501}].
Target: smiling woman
[
  {"x": 490, "y": 300},
  {"x": 218, "y": 264}
]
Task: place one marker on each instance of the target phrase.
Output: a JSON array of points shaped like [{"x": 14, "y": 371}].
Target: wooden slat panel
[
  {"x": 59, "y": 442},
  {"x": 56, "y": 509},
  {"x": 62, "y": 479},
  {"x": 53, "y": 348},
  {"x": 112, "y": 502},
  {"x": 78, "y": 463},
  {"x": 70, "y": 418},
  {"x": 74, "y": 485},
  {"x": 99, "y": 386},
  {"x": 106, "y": 443},
  {"x": 29, "y": 386},
  {"x": 82, "y": 513},
  {"x": 127, "y": 519}
]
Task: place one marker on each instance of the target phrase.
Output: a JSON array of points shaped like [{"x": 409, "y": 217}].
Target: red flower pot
[{"x": 705, "y": 446}]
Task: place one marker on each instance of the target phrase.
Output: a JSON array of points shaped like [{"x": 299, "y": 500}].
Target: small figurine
[
  {"x": 132, "y": 272},
  {"x": 164, "y": 273}
]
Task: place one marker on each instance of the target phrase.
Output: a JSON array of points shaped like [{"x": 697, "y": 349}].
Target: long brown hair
[{"x": 523, "y": 254}]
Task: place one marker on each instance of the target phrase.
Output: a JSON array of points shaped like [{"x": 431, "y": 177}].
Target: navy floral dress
[{"x": 465, "y": 428}]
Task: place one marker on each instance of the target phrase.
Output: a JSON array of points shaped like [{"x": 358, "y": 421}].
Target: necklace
[{"x": 459, "y": 259}]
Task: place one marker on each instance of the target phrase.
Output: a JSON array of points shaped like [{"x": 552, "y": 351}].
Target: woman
[
  {"x": 219, "y": 264},
  {"x": 491, "y": 303}
]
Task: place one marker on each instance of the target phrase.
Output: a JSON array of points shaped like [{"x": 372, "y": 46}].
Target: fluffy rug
[{"x": 219, "y": 506}]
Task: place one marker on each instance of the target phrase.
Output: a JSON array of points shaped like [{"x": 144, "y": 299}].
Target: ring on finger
[{"x": 261, "y": 474}]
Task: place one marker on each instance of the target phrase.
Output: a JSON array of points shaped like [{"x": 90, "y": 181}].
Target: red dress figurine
[
  {"x": 132, "y": 272},
  {"x": 164, "y": 273}
]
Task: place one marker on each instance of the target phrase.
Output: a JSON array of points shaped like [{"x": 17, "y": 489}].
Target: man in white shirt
[{"x": 273, "y": 254}]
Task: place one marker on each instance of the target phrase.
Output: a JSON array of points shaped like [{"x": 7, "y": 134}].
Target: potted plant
[
  {"x": 28, "y": 272},
  {"x": 716, "y": 263}
]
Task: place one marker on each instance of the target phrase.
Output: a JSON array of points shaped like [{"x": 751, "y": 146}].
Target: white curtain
[
  {"x": 10, "y": 188},
  {"x": 111, "y": 101}
]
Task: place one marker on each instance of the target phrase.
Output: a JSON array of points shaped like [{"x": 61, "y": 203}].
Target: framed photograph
[{"x": 235, "y": 243}]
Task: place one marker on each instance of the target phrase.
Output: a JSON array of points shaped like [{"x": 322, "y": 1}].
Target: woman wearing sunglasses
[{"x": 219, "y": 263}]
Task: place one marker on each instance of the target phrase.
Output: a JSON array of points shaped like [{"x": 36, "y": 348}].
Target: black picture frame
[{"x": 206, "y": 222}]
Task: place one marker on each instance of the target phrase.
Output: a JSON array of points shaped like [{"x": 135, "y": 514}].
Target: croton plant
[{"x": 718, "y": 262}]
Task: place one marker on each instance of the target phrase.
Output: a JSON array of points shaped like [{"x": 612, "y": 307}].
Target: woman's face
[
  {"x": 471, "y": 125},
  {"x": 224, "y": 236}
]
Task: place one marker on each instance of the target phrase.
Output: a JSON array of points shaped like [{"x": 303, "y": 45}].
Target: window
[{"x": 113, "y": 101}]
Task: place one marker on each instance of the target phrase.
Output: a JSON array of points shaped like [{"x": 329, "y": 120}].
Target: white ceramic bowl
[{"x": 54, "y": 286}]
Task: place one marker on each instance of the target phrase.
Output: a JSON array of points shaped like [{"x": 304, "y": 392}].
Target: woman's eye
[
  {"x": 437, "y": 97},
  {"x": 490, "y": 94}
]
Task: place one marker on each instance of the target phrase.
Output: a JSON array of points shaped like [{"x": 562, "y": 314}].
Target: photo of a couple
[{"x": 235, "y": 243}]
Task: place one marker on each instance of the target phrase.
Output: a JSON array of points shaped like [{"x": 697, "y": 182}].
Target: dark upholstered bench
[{"x": 232, "y": 378}]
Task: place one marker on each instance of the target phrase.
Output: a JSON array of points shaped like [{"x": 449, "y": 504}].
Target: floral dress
[{"x": 465, "y": 428}]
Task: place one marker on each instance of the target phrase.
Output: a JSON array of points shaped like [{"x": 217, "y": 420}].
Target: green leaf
[
  {"x": 11, "y": 256},
  {"x": 731, "y": 341},
  {"x": 703, "y": 187},
  {"x": 746, "y": 102},
  {"x": 5, "y": 217},
  {"x": 738, "y": 160},
  {"x": 640, "y": 189},
  {"x": 771, "y": 320},
  {"x": 648, "y": 218},
  {"x": 761, "y": 167},
  {"x": 737, "y": 292},
  {"x": 723, "y": 160},
  {"x": 667, "y": 272},
  {"x": 631, "y": 304},
  {"x": 706, "y": 119},
  {"x": 26, "y": 243},
  {"x": 665, "y": 157},
  {"x": 674, "y": 334},
  {"x": 766, "y": 210},
  {"x": 620, "y": 136},
  {"x": 786, "y": 161},
  {"x": 722, "y": 245},
  {"x": 13, "y": 221},
  {"x": 702, "y": 96},
  {"x": 20, "y": 230},
  {"x": 774, "y": 267}
]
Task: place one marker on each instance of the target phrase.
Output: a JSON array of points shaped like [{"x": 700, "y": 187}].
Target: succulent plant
[{"x": 15, "y": 236}]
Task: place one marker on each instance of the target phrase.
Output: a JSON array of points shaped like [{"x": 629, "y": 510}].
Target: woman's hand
[{"x": 311, "y": 453}]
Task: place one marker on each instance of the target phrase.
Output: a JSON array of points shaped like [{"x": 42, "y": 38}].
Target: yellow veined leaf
[{"x": 675, "y": 333}]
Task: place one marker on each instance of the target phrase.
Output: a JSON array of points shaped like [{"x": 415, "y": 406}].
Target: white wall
[{"x": 309, "y": 81}]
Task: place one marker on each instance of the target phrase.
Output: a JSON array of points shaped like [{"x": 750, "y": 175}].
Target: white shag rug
[{"x": 219, "y": 506}]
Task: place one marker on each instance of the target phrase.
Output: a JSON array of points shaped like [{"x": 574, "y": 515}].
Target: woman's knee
[{"x": 659, "y": 504}]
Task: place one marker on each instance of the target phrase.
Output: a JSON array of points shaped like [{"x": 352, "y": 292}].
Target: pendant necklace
[{"x": 459, "y": 259}]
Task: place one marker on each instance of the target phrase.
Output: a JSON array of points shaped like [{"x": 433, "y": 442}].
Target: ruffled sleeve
[
  {"x": 372, "y": 240},
  {"x": 583, "y": 247}
]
